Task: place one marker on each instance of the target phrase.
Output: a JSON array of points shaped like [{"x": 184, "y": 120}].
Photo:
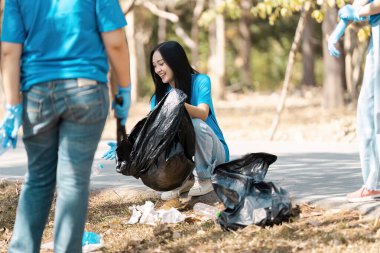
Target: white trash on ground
[
  {"x": 145, "y": 214},
  {"x": 90, "y": 242}
]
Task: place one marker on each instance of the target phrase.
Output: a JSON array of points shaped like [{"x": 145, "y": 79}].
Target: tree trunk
[
  {"x": 217, "y": 54},
  {"x": 195, "y": 32},
  {"x": 288, "y": 74},
  {"x": 130, "y": 33},
  {"x": 245, "y": 44},
  {"x": 308, "y": 52},
  {"x": 162, "y": 24},
  {"x": 333, "y": 78}
]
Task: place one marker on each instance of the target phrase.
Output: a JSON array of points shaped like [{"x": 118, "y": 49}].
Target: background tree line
[{"x": 249, "y": 45}]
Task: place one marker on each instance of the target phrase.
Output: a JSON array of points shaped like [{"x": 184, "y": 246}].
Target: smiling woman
[{"x": 171, "y": 69}]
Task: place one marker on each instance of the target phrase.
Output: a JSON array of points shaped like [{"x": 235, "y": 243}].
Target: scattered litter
[
  {"x": 90, "y": 242},
  {"x": 145, "y": 214},
  {"x": 208, "y": 211}
]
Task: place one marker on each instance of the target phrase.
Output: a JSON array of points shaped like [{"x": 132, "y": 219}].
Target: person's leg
[
  {"x": 368, "y": 125},
  {"x": 83, "y": 117},
  {"x": 372, "y": 176},
  {"x": 41, "y": 143},
  {"x": 209, "y": 152},
  {"x": 365, "y": 118}
]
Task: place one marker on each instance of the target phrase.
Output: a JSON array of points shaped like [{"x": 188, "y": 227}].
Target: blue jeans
[
  {"x": 209, "y": 150},
  {"x": 368, "y": 114},
  {"x": 62, "y": 124}
]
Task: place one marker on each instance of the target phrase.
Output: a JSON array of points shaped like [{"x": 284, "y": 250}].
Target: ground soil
[{"x": 310, "y": 229}]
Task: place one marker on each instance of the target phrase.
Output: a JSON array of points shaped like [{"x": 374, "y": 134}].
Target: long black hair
[{"x": 175, "y": 57}]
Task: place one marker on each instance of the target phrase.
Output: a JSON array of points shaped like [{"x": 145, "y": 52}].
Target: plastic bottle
[
  {"x": 2, "y": 149},
  {"x": 206, "y": 210},
  {"x": 96, "y": 169}
]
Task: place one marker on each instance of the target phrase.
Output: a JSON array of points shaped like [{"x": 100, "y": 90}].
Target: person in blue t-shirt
[
  {"x": 54, "y": 68},
  {"x": 368, "y": 111},
  {"x": 170, "y": 68}
]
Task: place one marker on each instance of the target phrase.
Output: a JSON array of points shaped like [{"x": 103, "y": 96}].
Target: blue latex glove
[
  {"x": 121, "y": 111},
  {"x": 348, "y": 12},
  {"x": 11, "y": 124},
  {"x": 111, "y": 153},
  {"x": 334, "y": 38}
]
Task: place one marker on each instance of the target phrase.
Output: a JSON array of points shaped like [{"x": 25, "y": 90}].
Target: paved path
[{"x": 318, "y": 174}]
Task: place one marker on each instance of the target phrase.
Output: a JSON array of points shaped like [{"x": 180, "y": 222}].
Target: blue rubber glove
[
  {"x": 121, "y": 111},
  {"x": 334, "y": 38},
  {"x": 11, "y": 124},
  {"x": 348, "y": 12},
  {"x": 111, "y": 153}
]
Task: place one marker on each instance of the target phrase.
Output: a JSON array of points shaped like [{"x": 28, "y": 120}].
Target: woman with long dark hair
[{"x": 170, "y": 68}]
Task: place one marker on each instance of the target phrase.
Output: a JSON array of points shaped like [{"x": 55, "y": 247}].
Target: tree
[
  {"x": 308, "y": 51},
  {"x": 245, "y": 43},
  {"x": 333, "y": 78}
]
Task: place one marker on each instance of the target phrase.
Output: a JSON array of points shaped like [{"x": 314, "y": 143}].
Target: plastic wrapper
[
  {"x": 247, "y": 198},
  {"x": 161, "y": 146}
]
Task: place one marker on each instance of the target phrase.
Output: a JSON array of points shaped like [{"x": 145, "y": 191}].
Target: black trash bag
[
  {"x": 161, "y": 147},
  {"x": 247, "y": 198}
]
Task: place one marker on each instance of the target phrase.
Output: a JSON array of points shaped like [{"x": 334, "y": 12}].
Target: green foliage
[
  {"x": 269, "y": 54},
  {"x": 275, "y": 9}
]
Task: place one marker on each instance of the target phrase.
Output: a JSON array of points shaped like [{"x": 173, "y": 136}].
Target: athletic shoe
[
  {"x": 363, "y": 195},
  {"x": 185, "y": 187},
  {"x": 201, "y": 187}
]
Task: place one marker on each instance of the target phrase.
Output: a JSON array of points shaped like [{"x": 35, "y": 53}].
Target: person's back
[
  {"x": 60, "y": 39},
  {"x": 54, "y": 51}
]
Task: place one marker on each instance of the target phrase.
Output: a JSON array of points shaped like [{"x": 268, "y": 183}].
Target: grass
[{"x": 312, "y": 229}]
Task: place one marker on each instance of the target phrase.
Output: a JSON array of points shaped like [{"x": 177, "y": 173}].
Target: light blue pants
[
  {"x": 62, "y": 127},
  {"x": 368, "y": 114},
  {"x": 209, "y": 150}
]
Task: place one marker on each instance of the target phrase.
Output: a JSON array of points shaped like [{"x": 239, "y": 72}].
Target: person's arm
[
  {"x": 118, "y": 54},
  {"x": 369, "y": 9},
  {"x": 10, "y": 68},
  {"x": 201, "y": 111},
  {"x": 359, "y": 3},
  {"x": 117, "y": 50}
]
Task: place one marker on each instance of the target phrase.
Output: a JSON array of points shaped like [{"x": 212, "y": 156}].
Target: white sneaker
[
  {"x": 185, "y": 187},
  {"x": 201, "y": 187}
]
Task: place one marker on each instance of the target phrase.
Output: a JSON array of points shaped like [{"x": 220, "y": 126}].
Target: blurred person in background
[{"x": 368, "y": 111}]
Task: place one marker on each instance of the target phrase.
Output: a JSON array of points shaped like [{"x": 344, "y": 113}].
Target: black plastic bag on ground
[
  {"x": 161, "y": 147},
  {"x": 247, "y": 198}
]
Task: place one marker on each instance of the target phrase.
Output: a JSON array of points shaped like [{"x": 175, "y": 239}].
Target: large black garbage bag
[
  {"x": 161, "y": 147},
  {"x": 248, "y": 199}
]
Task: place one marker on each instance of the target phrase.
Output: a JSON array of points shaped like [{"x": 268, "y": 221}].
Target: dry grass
[{"x": 312, "y": 229}]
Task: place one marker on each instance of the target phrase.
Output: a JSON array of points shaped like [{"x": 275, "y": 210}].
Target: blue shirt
[
  {"x": 201, "y": 94},
  {"x": 61, "y": 39}
]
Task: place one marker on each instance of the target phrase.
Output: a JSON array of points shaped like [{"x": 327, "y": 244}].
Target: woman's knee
[{"x": 198, "y": 124}]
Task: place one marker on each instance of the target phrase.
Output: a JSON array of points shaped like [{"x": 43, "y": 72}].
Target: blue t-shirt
[
  {"x": 374, "y": 19},
  {"x": 201, "y": 94},
  {"x": 61, "y": 39}
]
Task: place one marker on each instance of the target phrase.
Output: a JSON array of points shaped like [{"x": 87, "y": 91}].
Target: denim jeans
[
  {"x": 209, "y": 151},
  {"x": 368, "y": 114},
  {"x": 62, "y": 124}
]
